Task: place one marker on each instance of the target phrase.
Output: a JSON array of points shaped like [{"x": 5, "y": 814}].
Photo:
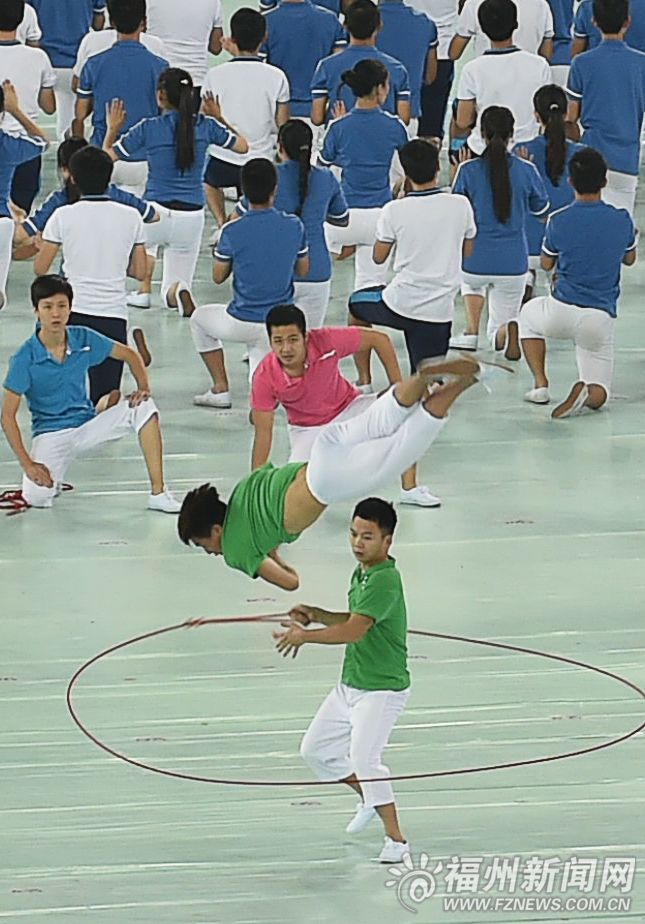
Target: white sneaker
[
  {"x": 394, "y": 851},
  {"x": 419, "y": 496},
  {"x": 164, "y": 502},
  {"x": 537, "y": 396},
  {"x": 464, "y": 342},
  {"x": 221, "y": 400},
  {"x": 364, "y": 389},
  {"x": 364, "y": 815},
  {"x": 136, "y": 300}
]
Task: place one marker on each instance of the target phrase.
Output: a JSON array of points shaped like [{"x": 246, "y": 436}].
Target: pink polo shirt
[{"x": 322, "y": 392}]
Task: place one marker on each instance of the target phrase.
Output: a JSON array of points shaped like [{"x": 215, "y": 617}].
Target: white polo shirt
[
  {"x": 29, "y": 29},
  {"x": 504, "y": 77},
  {"x": 535, "y": 23},
  {"x": 96, "y": 42},
  {"x": 428, "y": 229},
  {"x": 444, "y": 14},
  {"x": 30, "y": 71},
  {"x": 249, "y": 91},
  {"x": 185, "y": 34},
  {"x": 96, "y": 264}
]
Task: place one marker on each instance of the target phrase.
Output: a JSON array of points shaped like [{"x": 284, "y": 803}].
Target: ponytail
[
  {"x": 366, "y": 77},
  {"x": 497, "y": 125},
  {"x": 177, "y": 84},
  {"x": 550, "y": 103},
  {"x": 297, "y": 139}
]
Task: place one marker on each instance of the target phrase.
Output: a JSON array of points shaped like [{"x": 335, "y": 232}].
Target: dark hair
[
  {"x": 284, "y": 315},
  {"x": 420, "y": 160},
  {"x": 366, "y": 76},
  {"x": 177, "y": 84},
  {"x": 498, "y": 19},
  {"x": 127, "y": 15},
  {"x": 362, "y": 19},
  {"x": 91, "y": 170},
  {"x": 610, "y": 15},
  {"x": 297, "y": 139},
  {"x": 550, "y": 103},
  {"x": 48, "y": 286},
  {"x": 201, "y": 509},
  {"x": 588, "y": 171},
  {"x": 497, "y": 125},
  {"x": 248, "y": 28},
  {"x": 64, "y": 154},
  {"x": 378, "y": 511},
  {"x": 259, "y": 180},
  {"x": 12, "y": 13}
]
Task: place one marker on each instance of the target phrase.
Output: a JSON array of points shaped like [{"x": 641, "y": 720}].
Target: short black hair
[
  {"x": 610, "y": 15},
  {"x": 259, "y": 180},
  {"x": 420, "y": 160},
  {"x": 67, "y": 149},
  {"x": 12, "y": 13},
  {"x": 127, "y": 15},
  {"x": 588, "y": 171},
  {"x": 248, "y": 28},
  {"x": 48, "y": 286},
  {"x": 284, "y": 315},
  {"x": 91, "y": 169},
  {"x": 201, "y": 509},
  {"x": 379, "y": 511},
  {"x": 498, "y": 19},
  {"x": 362, "y": 19}
]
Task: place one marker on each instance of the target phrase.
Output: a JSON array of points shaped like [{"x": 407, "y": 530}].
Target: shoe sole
[
  {"x": 186, "y": 302},
  {"x": 542, "y": 401},
  {"x": 513, "y": 352},
  {"x": 214, "y": 407},
  {"x": 408, "y": 503},
  {"x": 142, "y": 347},
  {"x": 573, "y": 403}
]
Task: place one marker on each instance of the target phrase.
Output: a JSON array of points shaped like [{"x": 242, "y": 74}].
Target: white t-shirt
[
  {"x": 428, "y": 229},
  {"x": 504, "y": 77},
  {"x": 96, "y": 42},
  {"x": 444, "y": 14},
  {"x": 29, "y": 29},
  {"x": 30, "y": 71},
  {"x": 185, "y": 32},
  {"x": 535, "y": 23},
  {"x": 96, "y": 264},
  {"x": 248, "y": 91}
]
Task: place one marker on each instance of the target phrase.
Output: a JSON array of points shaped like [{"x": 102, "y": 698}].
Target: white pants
[
  {"x": 210, "y": 324},
  {"x": 6, "y": 242},
  {"x": 318, "y": 132},
  {"x": 59, "y": 449},
  {"x": 65, "y": 100},
  {"x": 591, "y": 329},
  {"x": 361, "y": 232},
  {"x": 302, "y": 439},
  {"x": 349, "y": 734},
  {"x": 560, "y": 74},
  {"x": 313, "y": 299},
  {"x": 131, "y": 176},
  {"x": 620, "y": 190},
  {"x": 180, "y": 235},
  {"x": 353, "y": 458},
  {"x": 505, "y": 295}
]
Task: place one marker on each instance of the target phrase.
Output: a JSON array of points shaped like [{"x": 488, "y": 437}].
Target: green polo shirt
[{"x": 379, "y": 660}]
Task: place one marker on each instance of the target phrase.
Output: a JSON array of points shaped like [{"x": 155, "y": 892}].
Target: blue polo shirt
[
  {"x": 407, "y": 36},
  {"x": 562, "y": 11},
  {"x": 327, "y": 78},
  {"x": 126, "y": 71},
  {"x": 64, "y": 24},
  {"x": 36, "y": 223},
  {"x": 589, "y": 240},
  {"x": 500, "y": 249},
  {"x": 155, "y": 140},
  {"x": 56, "y": 392},
  {"x": 583, "y": 26},
  {"x": 362, "y": 143},
  {"x": 609, "y": 82},
  {"x": 298, "y": 36},
  {"x": 263, "y": 247},
  {"x": 334, "y": 6},
  {"x": 13, "y": 152}
]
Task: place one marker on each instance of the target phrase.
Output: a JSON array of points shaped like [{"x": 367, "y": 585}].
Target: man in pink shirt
[{"x": 301, "y": 374}]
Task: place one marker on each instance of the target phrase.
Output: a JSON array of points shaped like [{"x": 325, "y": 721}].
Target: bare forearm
[
  {"x": 327, "y": 617},
  {"x": 335, "y": 634},
  {"x": 138, "y": 370},
  {"x": 261, "y": 451},
  {"x": 387, "y": 355},
  {"x": 14, "y": 438}
]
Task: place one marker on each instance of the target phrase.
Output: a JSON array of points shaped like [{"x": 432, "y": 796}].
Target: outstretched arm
[
  {"x": 275, "y": 571},
  {"x": 341, "y": 633}
]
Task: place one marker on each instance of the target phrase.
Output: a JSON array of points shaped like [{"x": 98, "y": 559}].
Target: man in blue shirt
[
  {"x": 50, "y": 371},
  {"x": 562, "y": 11},
  {"x": 607, "y": 92},
  {"x": 587, "y": 35},
  {"x": 587, "y": 243}
]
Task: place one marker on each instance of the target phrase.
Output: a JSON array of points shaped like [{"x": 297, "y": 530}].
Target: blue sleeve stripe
[
  {"x": 30, "y": 227},
  {"x": 320, "y": 92},
  {"x": 231, "y": 141},
  {"x": 119, "y": 147},
  {"x": 549, "y": 253},
  {"x": 221, "y": 256},
  {"x": 149, "y": 214},
  {"x": 541, "y": 211},
  {"x": 82, "y": 92},
  {"x": 303, "y": 252},
  {"x": 573, "y": 93}
]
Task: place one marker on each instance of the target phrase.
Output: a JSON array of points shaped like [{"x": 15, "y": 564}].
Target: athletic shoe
[
  {"x": 364, "y": 389},
  {"x": 185, "y": 301},
  {"x": 137, "y": 340},
  {"x": 464, "y": 342},
  {"x": 364, "y": 815},
  {"x": 164, "y": 502},
  {"x": 245, "y": 358},
  {"x": 394, "y": 851},
  {"x": 537, "y": 396},
  {"x": 573, "y": 404},
  {"x": 138, "y": 300},
  {"x": 221, "y": 400},
  {"x": 419, "y": 496}
]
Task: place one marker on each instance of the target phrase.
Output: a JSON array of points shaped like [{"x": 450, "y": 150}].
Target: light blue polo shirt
[
  {"x": 500, "y": 249},
  {"x": 583, "y": 26},
  {"x": 609, "y": 82},
  {"x": 589, "y": 240},
  {"x": 263, "y": 247},
  {"x": 126, "y": 71},
  {"x": 562, "y": 11},
  {"x": 155, "y": 140},
  {"x": 327, "y": 78},
  {"x": 334, "y": 6},
  {"x": 298, "y": 36},
  {"x": 56, "y": 392},
  {"x": 362, "y": 143},
  {"x": 64, "y": 24},
  {"x": 36, "y": 223},
  {"x": 13, "y": 152},
  {"x": 407, "y": 35}
]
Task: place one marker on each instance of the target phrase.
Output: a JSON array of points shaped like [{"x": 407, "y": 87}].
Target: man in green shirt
[{"x": 346, "y": 739}]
